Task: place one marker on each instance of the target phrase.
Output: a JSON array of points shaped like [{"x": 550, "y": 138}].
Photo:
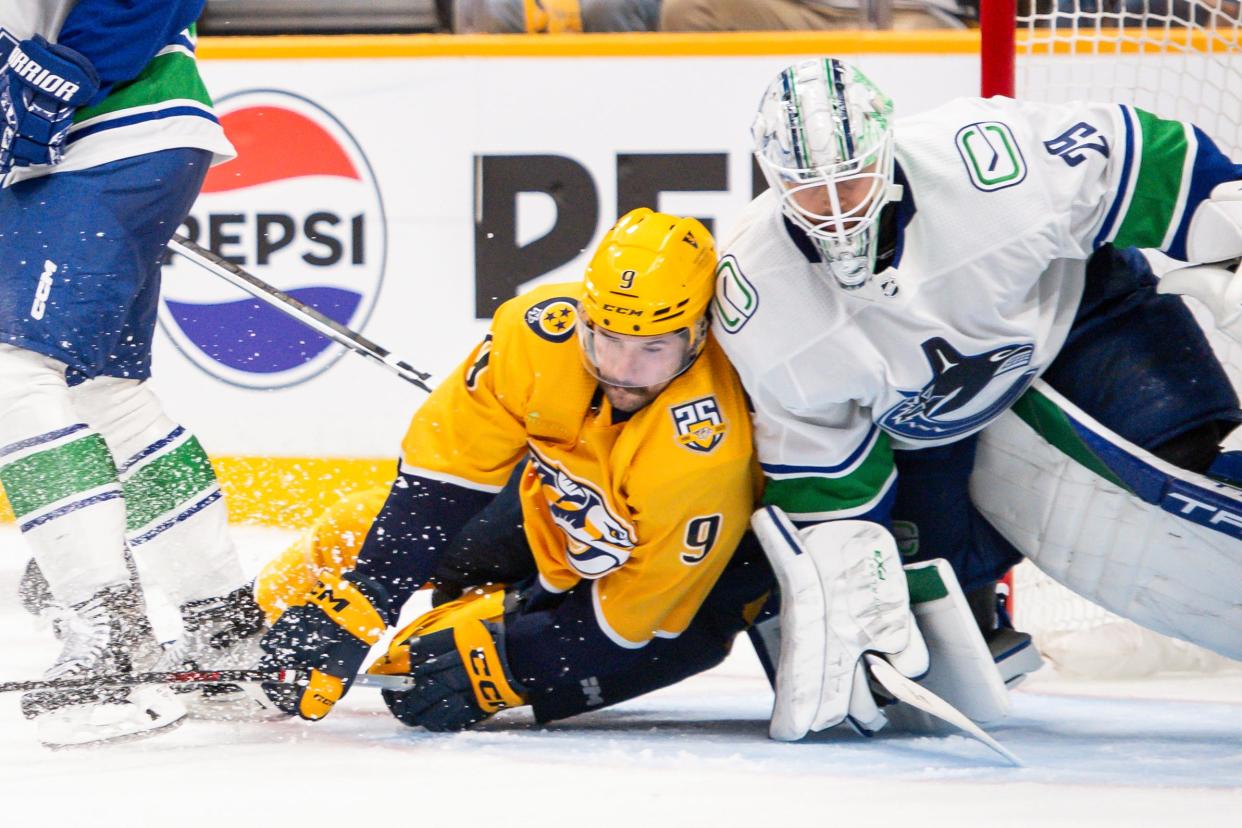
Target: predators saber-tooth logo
[
  {"x": 598, "y": 540},
  {"x": 699, "y": 424}
]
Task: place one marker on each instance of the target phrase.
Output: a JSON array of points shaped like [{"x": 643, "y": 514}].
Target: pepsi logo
[{"x": 301, "y": 209}]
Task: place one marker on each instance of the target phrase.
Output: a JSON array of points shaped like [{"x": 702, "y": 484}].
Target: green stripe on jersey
[
  {"x": 1162, "y": 157},
  {"x": 173, "y": 76},
  {"x": 816, "y": 493},
  {"x": 1050, "y": 422},
  {"x": 167, "y": 483},
  {"x": 55, "y": 474}
]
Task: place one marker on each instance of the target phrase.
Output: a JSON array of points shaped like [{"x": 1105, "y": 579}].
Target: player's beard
[{"x": 630, "y": 400}]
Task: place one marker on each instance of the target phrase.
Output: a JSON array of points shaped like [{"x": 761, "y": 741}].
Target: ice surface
[{"x": 1151, "y": 752}]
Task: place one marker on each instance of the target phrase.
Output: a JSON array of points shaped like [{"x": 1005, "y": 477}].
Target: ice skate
[
  {"x": 101, "y": 637},
  {"x": 221, "y": 634}
]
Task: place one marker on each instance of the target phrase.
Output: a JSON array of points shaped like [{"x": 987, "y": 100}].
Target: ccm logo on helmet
[{"x": 622, "y": 311}]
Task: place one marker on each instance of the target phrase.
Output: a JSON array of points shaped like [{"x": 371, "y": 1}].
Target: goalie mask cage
[{"x": 1178, "y": 59}]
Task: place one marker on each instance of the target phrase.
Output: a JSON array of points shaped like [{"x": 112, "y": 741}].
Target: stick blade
[{"x": 903, "y": 689}]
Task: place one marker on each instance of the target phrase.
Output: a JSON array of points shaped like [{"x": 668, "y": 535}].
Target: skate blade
[
  {"x": 148, "y": 712},
  {"x": 119, "y": 739}
]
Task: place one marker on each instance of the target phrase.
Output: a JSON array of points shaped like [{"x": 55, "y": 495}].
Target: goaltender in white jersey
[{"x": 903, "y": 285}]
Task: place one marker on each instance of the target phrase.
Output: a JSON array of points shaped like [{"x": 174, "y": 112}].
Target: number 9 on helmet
[{"x": 645, "y": 297}]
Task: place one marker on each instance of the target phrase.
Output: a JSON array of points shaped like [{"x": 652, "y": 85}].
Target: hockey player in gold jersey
[{"x": 586, "y": 475}]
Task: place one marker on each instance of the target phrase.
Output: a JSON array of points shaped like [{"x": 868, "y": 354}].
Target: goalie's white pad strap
[
  {"x": 842, "y": 592},
  {"x": 1149, "y": 541},
  {"x": 962, "y": 670}
]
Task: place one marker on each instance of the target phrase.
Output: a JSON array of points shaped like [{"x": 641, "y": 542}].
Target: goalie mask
[
  {"x": 645, "y": 297},
  {"x": 824, "y": 140}
]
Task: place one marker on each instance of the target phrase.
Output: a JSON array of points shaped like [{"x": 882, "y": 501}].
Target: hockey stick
[
  {"x": 300, "y": 311},
  {"x": 188, "y": 677},
  {"x": 903, "y": 689}
]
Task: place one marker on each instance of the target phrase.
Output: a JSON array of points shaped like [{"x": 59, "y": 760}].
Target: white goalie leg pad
[
  {"x": 843, "y": 593},
  {"x": 962, "y": 669},
  {"x": 177, "y": 523},
  {"x": 1153, "y": 543}
]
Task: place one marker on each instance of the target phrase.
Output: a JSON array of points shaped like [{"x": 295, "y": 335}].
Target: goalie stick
[
  {"x": 905, "y": 690},
  {"x": 300, "y": 311},
  {"x": 188, "y": 677}
]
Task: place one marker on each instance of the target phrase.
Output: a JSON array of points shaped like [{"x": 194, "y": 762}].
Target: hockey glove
[
  {"x": 330, "y": 635},
  {"x": 41, "y": 84},
  {"x": 456, "y": 656},
  {"x": 843, "y": 593}
]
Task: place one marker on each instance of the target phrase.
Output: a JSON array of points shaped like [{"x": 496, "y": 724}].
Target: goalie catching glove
[
  {"x": 843, "y": 594},
  {"x": 1214, "y": 236},
  {"x": 456, "y": 655},
  {"x": 330, "y": 635}
]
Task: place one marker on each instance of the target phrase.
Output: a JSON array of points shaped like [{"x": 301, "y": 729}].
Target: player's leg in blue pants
[
  {"x": 91, "y": 465},
  {"x": 589, "y": 671}
]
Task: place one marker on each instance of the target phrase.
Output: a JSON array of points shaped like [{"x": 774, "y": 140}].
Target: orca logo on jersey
[
  {"x": 976, "y": 388},
  {"x": 301, "y": 209},
  {"x": 553, "y": 319},
  {"x": 598, "y": 540}
]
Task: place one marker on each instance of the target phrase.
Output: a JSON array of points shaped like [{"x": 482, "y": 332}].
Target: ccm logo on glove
[{"x": 490, "y": 696}]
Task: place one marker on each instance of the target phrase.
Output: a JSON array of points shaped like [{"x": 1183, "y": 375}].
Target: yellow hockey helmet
[{"x": 653, "y": 275}]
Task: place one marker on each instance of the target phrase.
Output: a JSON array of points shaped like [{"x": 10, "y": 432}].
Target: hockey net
[{"x": 1178, "y": 59}]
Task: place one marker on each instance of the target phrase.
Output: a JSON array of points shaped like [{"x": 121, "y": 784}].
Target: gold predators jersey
[{"x": 649, "y": 509}]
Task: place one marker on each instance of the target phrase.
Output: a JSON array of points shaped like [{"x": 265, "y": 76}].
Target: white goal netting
[{"x": 1177, "y": 59}]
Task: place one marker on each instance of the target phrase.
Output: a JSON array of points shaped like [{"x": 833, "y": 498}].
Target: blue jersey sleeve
[
  {"x": 412, "y": 531},
  {"x": 121, "y": 38}
]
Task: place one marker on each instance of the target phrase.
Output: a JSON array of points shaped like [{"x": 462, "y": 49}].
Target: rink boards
[{"x": 408, "y": 185}]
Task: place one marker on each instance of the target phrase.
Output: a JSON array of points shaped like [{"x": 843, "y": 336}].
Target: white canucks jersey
[
  {"x": 161, "y": 103},
  {"x": 1003, "y": 201}
]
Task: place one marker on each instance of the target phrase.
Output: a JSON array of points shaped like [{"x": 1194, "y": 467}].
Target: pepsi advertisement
[{"x": 408, "y": 197}]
